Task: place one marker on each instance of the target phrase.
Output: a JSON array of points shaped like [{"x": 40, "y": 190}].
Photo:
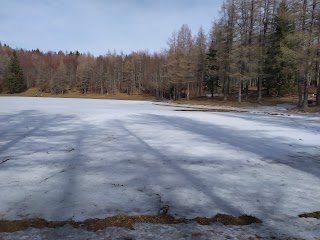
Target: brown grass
[
  {"x": 32, "y": 92},
  {"x": 233, "y": 101},
  {"x": 123, "y": 221},
  {"x": 312, "y": 109},
  {"x": 310, "y": 215},
  {"x": 18, "y": 225}
]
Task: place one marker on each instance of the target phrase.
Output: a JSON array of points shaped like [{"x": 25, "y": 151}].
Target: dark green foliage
[
  {"x": 13, "y": 79},
  {"x": 281, "y": 65},
  {"x": 3, "y": 63},
  {"x": 211, "y": 80}
]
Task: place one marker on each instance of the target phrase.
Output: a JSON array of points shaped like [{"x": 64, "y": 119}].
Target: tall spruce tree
[
  {"x": 276, "y": 68},
  {"x": 211, "y": 80},
  {"x": 14, "y": 80}
]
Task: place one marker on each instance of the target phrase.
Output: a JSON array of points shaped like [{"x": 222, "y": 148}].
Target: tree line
[{"x": 272, "y": 46}]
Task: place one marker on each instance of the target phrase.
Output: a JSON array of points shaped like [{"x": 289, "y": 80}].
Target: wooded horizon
[{"x": 271, "y": 45}]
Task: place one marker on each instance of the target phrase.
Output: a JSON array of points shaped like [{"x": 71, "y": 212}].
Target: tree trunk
[
  {"x": 299, "y": 93},
  {"x": 318, "y": 95},
  {"x": 247, "y": 90},
  {"x": 260, "y": 90},
  {"x": 239, "y": 93},
  {"x": 318, "y": 74},
  {"x": 225, "y": 90},
  {"x": 306, "y": 93},
  {"x": 101, "y": 88},
  {"x": 188, "y": 91},
  {"x": 212, "y": 91}
]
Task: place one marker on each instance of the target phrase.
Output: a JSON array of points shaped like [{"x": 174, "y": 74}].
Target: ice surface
[{"x": 76, "y": 159}]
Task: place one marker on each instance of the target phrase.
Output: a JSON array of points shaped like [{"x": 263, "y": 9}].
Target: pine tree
[
  {"x": 211, "y": 81},
  {"x": 277, "y": 68},
  {"x": 14, "y": 80}
]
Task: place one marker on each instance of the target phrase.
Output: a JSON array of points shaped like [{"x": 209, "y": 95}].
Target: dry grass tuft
[
  {"x": 18, "y": 225},
  {"x": 310, "y": 215},
  {"x": 128, "y": 221},
  {"x": 233, "y": 101},
  {"x": 313, "y": 109},
  {"x": 123, "y": 221},
  {"x": 231, "y": 220},
  {"x": 310, "y": 109}
]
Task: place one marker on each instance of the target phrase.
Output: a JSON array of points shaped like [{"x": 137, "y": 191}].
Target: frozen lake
[{"x": 76, "y": 159}]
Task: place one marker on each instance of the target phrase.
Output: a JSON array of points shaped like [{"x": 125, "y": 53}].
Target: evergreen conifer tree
[
  {"x": 276, "y": 67},
  {"x": 211, "y": 80},
  {"x": 13, "y": 79}
]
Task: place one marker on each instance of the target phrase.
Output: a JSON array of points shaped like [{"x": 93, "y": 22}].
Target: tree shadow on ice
[
  {"x": 72, "y": 171},
  {"x": 173, "y": 178},
  {"x": 103, "y": 168},
  {"x": 167, "y": 166},
  {"x": 269, "y": 191},
  {"x": 187, "y": 192},
  {"x": 45, "y": 166},
  {"x": 28, "y": 125},
  {"x": 272, "y": 150}
]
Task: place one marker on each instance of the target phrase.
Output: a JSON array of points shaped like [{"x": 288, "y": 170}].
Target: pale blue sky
[{"x": 99, "y": 25}]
